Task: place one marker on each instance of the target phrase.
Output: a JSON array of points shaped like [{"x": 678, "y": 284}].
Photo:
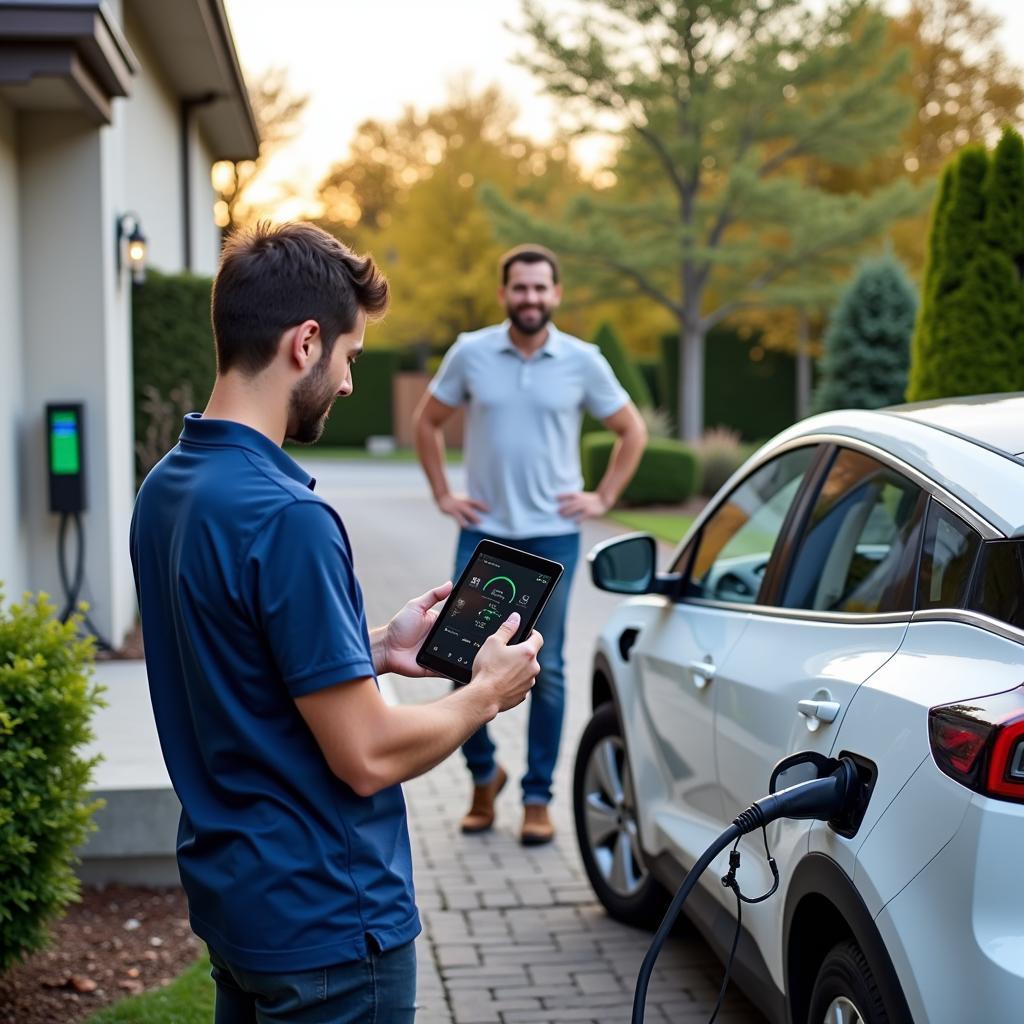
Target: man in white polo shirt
[{"x": 526, "y": 386}]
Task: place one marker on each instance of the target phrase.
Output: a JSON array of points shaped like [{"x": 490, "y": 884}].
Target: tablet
[{"x": 497, "y": 581}]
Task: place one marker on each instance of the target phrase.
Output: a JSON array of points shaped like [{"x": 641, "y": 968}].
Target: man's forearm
[
  {"x": 419, "y": 737},
  {"x": 622, "y": 464},
  {"x": 378, "y": 650},
  {"x": 430, "y": 450}
]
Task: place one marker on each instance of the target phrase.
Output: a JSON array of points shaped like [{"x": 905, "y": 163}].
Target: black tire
[
  {"x": 614, "y": 863},
  {"x": 845, "y": 991}
]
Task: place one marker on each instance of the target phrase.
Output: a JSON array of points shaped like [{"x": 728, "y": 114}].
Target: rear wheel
[
  {"x": 606, "y": 825},
  {"x": 845, "y": 991}
]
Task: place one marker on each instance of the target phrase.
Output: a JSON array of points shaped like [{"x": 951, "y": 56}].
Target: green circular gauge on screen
[{"x": 497, "y": 579}]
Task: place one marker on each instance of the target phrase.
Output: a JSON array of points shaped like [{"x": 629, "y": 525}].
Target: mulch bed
[{"x": 118, "y": 941}]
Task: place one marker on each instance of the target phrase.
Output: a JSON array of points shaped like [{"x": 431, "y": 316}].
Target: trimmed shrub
[
  {"x": 625, "y": 372},
  {"x": 720, "y": 454},
  {"x": 368, "y": 411},
  {"x": 650, "y": 370},
  {"x": 667, "y": 474},
  {"x": 867, "y": 343},
  {"x": 47, "y": 697},
  {"x": 174, "y": 362}
]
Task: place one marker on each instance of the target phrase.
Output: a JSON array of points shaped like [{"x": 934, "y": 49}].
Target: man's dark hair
[
  {"x": 529, "y": 254},
  {"x": 272, "y": 277}
]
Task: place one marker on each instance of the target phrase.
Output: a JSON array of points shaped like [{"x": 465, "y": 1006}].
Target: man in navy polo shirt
[{"x": 292, "y": 846}]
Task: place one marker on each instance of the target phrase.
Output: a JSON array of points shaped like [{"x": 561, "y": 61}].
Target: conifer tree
[
  {"x": 867, "y": 344},
  {"x": 969, "y": 336}
]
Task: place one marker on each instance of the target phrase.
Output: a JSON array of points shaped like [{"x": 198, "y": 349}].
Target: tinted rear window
[{"x": 998, "y": 588}]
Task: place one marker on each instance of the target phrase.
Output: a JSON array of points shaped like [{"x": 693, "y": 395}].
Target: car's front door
[
  {"x": 678, "y": 655},
  {"x": 835, "y": 612}
]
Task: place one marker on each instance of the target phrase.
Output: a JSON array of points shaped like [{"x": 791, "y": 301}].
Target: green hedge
[
  {"x": 667, "y": 474},
  {"x": 47, "y": 697},
  {"x": 368, "y": 411},
  {"x": 174, "y": 360},
  {"x": 650, "y": 370},
  {"x": 755, "y": 397}
]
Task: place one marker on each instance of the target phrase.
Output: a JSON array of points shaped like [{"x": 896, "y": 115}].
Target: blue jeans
[
  {"x": 378, "y": 990},
  {"x": 547, "y": 699}
]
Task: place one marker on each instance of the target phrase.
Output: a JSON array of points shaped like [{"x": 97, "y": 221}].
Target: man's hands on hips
[
  {"x": 404, "y": 634},
  {"x": 509, "y": 671},
  {"x": 465, "y": 511},
  {"x": 580, "y": 505}
]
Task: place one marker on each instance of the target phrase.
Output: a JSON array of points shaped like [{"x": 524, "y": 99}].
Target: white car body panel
[{"x": 936, "y": 865}]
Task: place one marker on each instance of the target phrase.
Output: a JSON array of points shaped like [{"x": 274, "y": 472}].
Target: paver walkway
[{"x": 510, "y": 934}]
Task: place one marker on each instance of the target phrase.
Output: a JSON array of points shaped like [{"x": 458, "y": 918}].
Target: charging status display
[
  {"x": 492, "y": 591},
  {"x": 65, "y": 450}
]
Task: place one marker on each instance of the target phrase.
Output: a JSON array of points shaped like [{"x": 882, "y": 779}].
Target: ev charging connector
[{"x": 822, "y": 799}]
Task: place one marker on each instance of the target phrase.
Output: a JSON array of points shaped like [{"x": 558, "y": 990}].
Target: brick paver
[{"x": 511, "y": 934}]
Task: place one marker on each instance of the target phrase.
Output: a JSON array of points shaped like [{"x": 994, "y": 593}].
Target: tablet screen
[{"x": 497, "y": 581}]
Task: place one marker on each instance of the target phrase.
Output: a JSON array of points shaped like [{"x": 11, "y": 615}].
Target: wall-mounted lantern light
[{"x": 130, "y": 247}]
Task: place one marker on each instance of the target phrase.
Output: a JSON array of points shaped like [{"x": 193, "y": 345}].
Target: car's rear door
[{"x": 836, "y": 611}]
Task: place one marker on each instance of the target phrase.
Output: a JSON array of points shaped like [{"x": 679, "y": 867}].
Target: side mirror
[
  {"x": 625, "y": 565},
  {"x": 804, "y": 766}
]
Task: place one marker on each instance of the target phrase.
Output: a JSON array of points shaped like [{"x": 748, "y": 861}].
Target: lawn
[
  {"x": 667, "y": 526},
  {"x": 187, "y": 1000}
]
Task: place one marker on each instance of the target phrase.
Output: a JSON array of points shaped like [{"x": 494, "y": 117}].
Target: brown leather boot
[
  {"x": 537, "y": 826},
  {"x": 481, "y": 812}
]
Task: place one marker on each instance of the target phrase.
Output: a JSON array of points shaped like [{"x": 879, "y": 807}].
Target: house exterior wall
[
  {"x": 75, "y": 322},
  {"x": 13, "y": 563},
  {"x": 150, "y": 121}
]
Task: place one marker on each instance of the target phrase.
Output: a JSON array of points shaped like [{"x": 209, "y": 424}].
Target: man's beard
[
  {"x": 311, "y": 401},
  {"x": 529, "y": 328}
]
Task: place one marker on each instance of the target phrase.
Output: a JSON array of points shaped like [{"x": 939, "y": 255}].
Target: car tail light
[{"x": 980, "y": 743}]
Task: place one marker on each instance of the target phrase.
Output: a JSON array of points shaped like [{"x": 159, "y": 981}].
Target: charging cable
[
  {"x": 73, "y": 586},
  {"x": 820, "y": 799}
]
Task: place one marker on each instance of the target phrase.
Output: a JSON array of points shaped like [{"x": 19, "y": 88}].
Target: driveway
[{"x": 510, "y": 933}]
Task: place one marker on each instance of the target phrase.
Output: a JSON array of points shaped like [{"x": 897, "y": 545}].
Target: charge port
[{"x": 849, "y": 821}]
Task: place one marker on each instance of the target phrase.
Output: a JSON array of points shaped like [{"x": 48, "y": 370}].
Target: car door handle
[
  {"x": 702, "y": 672},
  {"x": 818, "y": 712}
]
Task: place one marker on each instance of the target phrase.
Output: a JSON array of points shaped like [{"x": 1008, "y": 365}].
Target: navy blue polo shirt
[{"x": 249, "y": 599}]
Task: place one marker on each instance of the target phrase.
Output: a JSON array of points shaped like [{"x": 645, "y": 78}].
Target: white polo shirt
[{"x": 523, "y": 423}]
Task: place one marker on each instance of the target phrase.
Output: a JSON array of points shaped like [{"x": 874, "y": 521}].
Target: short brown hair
[
  {"x": 272, "y": 277},
  {"x": 529, "y": 254}
]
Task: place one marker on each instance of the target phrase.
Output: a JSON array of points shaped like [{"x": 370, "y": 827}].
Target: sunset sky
[{"x": 369, "y": 59}]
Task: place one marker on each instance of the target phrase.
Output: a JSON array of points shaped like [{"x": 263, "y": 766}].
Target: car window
[
  {"x": 947, "y": 559},
  {"x": 856, "y": 553},
  {"x": 998, "y": 587},
  {"x": 736, "y": 542}
]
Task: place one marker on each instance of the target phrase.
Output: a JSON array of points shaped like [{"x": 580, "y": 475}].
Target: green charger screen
[{"x": 64, "y": 444}]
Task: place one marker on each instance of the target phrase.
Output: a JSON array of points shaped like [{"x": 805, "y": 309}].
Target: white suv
[{"x": 856, "y": 588}]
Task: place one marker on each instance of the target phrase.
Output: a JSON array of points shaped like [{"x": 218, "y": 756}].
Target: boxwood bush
[
  {"x": 667, "y": 474},
  {"x": 47, "y": 696}
]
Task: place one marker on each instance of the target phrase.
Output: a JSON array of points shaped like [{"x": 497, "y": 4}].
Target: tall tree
[
  {"x": 721, "y": 101},
  {"x": 969, "y": 335},
  {"x": 278, "y": 111},
  {"x": 410, "y": 192},
  {"x": 867, "y": 344}
]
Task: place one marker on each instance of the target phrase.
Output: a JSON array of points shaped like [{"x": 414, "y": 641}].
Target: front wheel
[
  {"x": 606, "y": 825},
  {"x": 845, "y": 991}
]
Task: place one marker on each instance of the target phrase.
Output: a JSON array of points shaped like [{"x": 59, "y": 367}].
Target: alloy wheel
[
  {"x": 610, "y": 818},
  {"x": 842, "y": 1011}
]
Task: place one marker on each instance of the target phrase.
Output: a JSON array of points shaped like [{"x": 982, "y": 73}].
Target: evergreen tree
[
  {"x": 969, "y": 336},
  {"x": 867, "y": 344},
  {"x": 625, "y": 370},
  {"x": 722, "y": 104}
]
